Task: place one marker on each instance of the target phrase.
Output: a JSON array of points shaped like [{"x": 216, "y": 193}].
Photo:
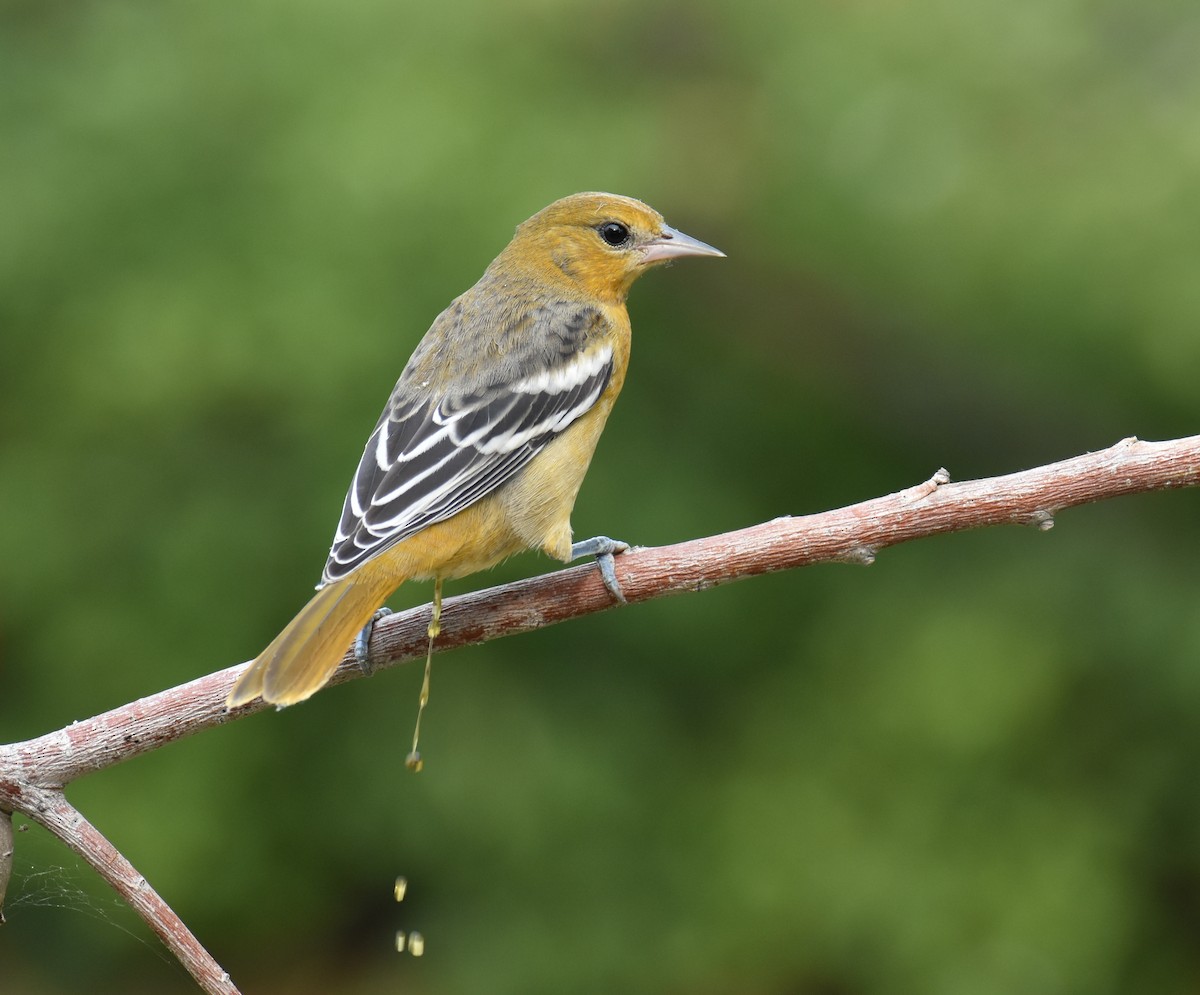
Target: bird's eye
[{"x": 614, "y": 233}]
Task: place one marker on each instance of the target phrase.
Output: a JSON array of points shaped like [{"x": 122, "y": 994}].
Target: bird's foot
[
  {"x": 603, "y": 548},
  {"x": 362, "y": 644}
]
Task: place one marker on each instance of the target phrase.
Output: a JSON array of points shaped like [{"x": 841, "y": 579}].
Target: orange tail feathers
[{"x": 306, "y": 653}]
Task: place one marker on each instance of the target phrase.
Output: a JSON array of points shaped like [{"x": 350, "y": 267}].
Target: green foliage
[{"x": 958, "y": 234}]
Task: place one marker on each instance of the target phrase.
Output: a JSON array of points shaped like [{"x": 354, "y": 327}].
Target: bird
[{"x": 484, "y": 442}]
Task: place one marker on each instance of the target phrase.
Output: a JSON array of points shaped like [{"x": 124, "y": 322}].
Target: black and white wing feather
[{"x": 429, "y": 457}]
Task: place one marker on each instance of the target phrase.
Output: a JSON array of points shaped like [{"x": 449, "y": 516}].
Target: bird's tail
[{"x": 306, "y": 653}]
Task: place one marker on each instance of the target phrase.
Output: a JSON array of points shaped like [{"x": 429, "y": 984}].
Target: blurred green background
[{"x": 960, "y": 234}]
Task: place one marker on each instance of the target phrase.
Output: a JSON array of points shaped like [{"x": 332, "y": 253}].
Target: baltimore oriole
[{"x": 487, "y": 435}]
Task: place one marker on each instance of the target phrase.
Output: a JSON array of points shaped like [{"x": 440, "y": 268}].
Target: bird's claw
[
  {"x": 603, "y": 548},
  {"x": 362, "y": 643}
]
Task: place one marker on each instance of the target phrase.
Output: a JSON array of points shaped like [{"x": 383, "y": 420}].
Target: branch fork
[{"x": 34, "y": 773}]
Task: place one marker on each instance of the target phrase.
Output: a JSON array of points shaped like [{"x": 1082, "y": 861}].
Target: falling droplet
[
  {"x": 400, "y": 941},
  {"x": 401, "y": 888},
  {"x": 416, "y": 943}
]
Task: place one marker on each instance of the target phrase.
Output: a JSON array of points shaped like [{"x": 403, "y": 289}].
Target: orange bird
[{"x": 484, "y": 442}]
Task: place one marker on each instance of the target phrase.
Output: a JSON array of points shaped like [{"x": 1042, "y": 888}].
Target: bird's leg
[
  {"x": 362, "y": 644},
  {"x": 413, "y": 761},
  {"x": 603, "y": 548}
]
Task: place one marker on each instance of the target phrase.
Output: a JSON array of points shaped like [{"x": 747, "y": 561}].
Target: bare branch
[
  {"x": 32, "y": 773},
  {"x": 851, "y": 534},
  {"x": 52, "y": 810}
]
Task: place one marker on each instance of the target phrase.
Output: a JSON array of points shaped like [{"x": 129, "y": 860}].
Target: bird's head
[{"x": 601, "y": 241}]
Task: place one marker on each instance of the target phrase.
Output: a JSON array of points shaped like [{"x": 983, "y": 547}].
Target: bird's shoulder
[{"x": 504, "y": 331}]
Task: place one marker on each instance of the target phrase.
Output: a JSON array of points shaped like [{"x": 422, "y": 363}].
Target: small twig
[
  {"x": 52, "y": 810},
  {"x": 32, "y": 773}
]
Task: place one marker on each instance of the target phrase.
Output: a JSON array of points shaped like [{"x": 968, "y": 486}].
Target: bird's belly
[{"x": 538, "y": 502}]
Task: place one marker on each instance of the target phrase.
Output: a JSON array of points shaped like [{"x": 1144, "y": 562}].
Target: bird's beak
[{"x": 672, "y": 244}]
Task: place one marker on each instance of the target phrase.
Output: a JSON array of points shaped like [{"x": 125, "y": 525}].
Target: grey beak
[{"x": 672, "y": 244}]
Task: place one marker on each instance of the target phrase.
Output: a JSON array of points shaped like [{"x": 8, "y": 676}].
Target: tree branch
[
  {"x": 62, "y": 819},
  {"x": 34, "y": 771}
]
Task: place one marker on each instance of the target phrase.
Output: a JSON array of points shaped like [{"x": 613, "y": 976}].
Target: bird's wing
[{"x": 429, "y": 458}]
